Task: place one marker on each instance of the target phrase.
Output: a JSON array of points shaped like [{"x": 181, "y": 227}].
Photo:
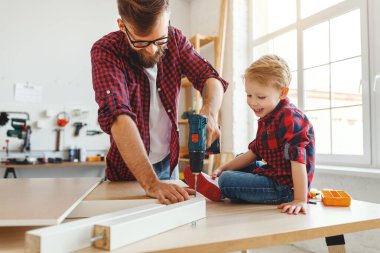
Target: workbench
[
  {"x": 232, "y": 227},
  {"x": 10, "y": 168}
]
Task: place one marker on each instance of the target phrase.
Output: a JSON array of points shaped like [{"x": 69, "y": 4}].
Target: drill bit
[{"x": 196, "y": 183}]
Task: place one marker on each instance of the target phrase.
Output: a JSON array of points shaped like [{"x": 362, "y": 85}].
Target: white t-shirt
[{"x": 159, "y": 122}]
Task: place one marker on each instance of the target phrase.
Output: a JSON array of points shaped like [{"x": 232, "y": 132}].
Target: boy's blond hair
[{"x": 269, "y": 69}]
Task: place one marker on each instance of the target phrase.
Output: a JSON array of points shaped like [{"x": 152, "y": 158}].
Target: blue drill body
[{"x": 197, "y": 142}]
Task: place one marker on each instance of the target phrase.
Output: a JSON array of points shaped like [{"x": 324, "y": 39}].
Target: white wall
[
  {"x": 47, "y": 43},
  {"x": 180, "y": 15},
  {"x": 204, "y": 19}
]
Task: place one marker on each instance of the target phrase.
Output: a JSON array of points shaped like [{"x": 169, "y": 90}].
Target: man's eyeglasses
[{"x": 145, "y": 43}]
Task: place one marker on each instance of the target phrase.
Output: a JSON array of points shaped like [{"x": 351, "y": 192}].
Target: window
[{"x": 324, "y": 43}]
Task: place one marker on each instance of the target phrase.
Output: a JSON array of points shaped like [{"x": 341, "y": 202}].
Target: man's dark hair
[{"x": 141, "y": 14}]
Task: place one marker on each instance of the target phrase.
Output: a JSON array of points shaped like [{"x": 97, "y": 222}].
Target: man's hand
[
  {"x": 294, "y": 207},
  {"x": 212, "y": 95},
  {"x": 169, "y": 193},
  {"x": 213, "y": 131}
]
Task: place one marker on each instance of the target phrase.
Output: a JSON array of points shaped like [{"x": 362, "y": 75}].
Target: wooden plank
[
  {"x": 114, "y": 196},
  {"x": 125, "y": 230},
  {"x": 41, "y": 201},
  {"x": 123, "y": 190},
  {"x": 71, "y": 236},
  {"x": 90, "y": 208}
]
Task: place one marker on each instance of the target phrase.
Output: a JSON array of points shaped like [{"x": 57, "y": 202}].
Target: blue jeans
[
  {"x": 244, "y": 186},
  {"x": 162, "y": 170}
]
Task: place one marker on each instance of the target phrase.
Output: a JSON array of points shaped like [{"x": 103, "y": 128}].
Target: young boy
[{"x": 279, "y": 165}]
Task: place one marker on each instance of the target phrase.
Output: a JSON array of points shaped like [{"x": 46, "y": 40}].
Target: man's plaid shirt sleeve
[
  {"x": 196, "y": 68},
  {"x": 109, "y": 83}
]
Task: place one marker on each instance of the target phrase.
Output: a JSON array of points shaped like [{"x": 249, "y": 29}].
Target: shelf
[
  {"x": 47, "y": 165},
  {"x": 193, "y": 97},
  {"x": 185, "y": 82},
  {"x": 202, "y": 39},
  {"x": 187, "y": 160},
  {"x": 183, "y": 122}
]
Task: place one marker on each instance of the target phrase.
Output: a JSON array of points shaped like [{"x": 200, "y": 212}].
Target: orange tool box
[{"x": 335, "y": 198}]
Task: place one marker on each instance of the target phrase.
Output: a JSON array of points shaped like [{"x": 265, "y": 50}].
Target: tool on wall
[
  {"x": 6, "y": 147},
  {"x": 3, "y": 118},
  {"x": 78, "y": 126},
  {"x": 21, "y": 129},
  {"x": 93, "y": 132},
  {"x": 62, "y": 120}
]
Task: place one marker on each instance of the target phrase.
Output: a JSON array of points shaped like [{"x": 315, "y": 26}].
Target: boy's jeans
[
  {"x": 244, "y": 186},
  {"x": 162, "y": 170}
]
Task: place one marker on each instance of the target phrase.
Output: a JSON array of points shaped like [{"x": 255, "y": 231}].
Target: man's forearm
[
  {"x": 212, "y": 96},
  {"x": 127, "y": 137}
]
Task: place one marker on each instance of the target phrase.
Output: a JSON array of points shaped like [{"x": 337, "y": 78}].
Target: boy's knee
[{"x": 224, "y": 179}]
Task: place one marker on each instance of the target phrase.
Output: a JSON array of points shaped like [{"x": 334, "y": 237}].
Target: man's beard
[{"x": 148, "y": 61}]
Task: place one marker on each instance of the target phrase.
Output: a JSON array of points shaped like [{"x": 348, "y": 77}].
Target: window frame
[{"x": 303, "y": 24}]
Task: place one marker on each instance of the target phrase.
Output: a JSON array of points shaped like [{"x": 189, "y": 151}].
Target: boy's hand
[
  {"x": 294, "y": 207},
  {"x": 216, "y": 173}
]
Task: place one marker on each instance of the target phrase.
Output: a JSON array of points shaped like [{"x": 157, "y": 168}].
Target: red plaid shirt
[
  {"x": 284, "y": 135},
  {"x": 122, "y": 87}
]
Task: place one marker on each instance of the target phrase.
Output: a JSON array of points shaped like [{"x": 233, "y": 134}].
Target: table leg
[
  {"x": 336, "y": 244},
  {"x": 8, "y": 171}
]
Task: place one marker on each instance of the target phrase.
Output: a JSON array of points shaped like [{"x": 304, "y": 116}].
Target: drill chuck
[{"x": 196, "y": 161}]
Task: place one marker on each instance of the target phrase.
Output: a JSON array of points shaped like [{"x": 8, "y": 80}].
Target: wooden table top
[
  {"x": 231, "y": 227},
  {"x": 234, "y": 227},
  {"x": 48, "y": 165},
  {"x": 41, "y": 201}
]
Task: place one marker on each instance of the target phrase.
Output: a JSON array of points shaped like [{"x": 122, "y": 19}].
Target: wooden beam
[
  {"x": 224, "y": 6},
  {"x": 76, "y": 235},
  {"x": 119, "y": 232}
]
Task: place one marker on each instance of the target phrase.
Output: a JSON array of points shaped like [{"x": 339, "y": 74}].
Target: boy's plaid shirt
[{"x": 284, "y": 135}]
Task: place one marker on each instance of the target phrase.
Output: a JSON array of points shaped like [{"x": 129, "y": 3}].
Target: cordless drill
[
  {"x": 78, "y": 126},
  {"x": 197, "y": 144}
]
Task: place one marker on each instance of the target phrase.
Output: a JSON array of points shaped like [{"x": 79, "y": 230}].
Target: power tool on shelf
[
  {"x": 21, "y": 131},
  {"x": 197, "y": 144},
  {"x": 78, "y": 126}
]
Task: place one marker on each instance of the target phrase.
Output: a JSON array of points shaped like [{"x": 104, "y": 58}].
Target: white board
[{"x": 41, "y": 201}]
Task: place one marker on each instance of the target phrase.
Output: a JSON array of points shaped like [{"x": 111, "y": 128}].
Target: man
[{"x": 137, "y": 79}]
